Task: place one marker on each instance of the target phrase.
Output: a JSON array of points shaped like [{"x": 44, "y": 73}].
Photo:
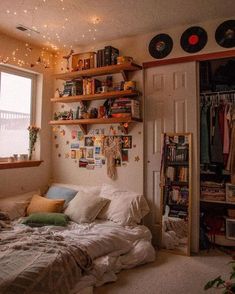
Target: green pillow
[{"x": 46, "y": 219}]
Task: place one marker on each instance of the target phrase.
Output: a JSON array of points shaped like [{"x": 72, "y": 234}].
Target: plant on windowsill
[
  {"x": 33, "y": 135},
  {"x": 228, "y": 286}
]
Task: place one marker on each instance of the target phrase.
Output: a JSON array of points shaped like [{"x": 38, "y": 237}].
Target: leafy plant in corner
[{"x": 228, "y": 286}]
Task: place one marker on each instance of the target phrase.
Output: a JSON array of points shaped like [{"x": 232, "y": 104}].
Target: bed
[{"x": 61, "y": 260}]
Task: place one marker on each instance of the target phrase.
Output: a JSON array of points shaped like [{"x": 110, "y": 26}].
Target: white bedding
[{"x": 111, "y": 246}]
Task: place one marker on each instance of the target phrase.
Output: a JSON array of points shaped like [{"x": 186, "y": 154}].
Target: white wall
[
  {"x": 15, "y": 181},
  {"x": 66, "y": 170}
]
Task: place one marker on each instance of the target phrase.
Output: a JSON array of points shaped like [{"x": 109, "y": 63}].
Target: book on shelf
[
  {"x": 177, "y": 153},
  {"x": 110, "y": 55},
  {"x": 126, "y": 105},
  {"x": 180, "y": 174},
  {"x": 90, "y": 86},
  {"x": 72, "y": 88}
]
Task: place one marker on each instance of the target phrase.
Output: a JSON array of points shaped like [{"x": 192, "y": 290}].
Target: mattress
[{"x": 111, "y": 246}]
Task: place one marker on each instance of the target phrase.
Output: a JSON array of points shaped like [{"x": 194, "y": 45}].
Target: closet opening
[{"x": 217, "y": 153}]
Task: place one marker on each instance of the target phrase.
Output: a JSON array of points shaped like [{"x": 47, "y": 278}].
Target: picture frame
[
  {"x": 90, "y": 153},
  {"x": 89, "y": 142},
  {"x": 230, "y": 193},
  {"x": 82, "y": 61},
  {"x": 126, "y": 142}
]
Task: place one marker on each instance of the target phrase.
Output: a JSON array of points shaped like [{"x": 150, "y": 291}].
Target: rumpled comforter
[
  {"x": 40, "y": 262},
  {"x": 54, "y": 259}
]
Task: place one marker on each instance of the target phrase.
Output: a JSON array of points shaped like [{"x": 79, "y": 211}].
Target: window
[{"x": 16, "y": 110}]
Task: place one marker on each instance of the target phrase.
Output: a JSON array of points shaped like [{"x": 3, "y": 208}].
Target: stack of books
[
  {"x": 73, "y": 88},
  {"x": 125, "y": 107},
  {"x": 107, "y": 56}
]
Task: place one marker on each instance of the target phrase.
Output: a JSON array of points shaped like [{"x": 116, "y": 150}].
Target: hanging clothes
[
  {"x": 226, "y": 138},
  {"x": 231, "y": 158},
  {"x": 204, "y": 135},
  {"x": 216, "y": 146}
]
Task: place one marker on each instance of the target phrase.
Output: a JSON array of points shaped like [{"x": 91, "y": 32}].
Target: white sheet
[{"x": 112, "y": 246}]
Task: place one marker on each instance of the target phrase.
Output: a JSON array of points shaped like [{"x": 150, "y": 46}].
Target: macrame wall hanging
[{"x": 112, "y": 150}]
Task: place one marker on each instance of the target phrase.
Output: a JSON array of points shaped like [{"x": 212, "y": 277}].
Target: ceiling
[{"x": 73, "y": 23}]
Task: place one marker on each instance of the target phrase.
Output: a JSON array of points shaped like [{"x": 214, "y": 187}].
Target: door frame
[{"x": 182, "y": 59}]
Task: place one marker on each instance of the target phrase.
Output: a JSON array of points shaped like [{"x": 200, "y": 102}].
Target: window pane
[{"x": 15, "y": 104}]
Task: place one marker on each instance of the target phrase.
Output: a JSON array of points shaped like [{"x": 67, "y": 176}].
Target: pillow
[
  {"x": 42, "y": 204},
  {"x": 15, "y": 206},
  {"x": 86, "y": 189},
  {"x": 57, "y": 192},
  {"x": 125, "y": 207},
  {"x": 46, "y": 219},
  {"x": 85, "y": 207}
]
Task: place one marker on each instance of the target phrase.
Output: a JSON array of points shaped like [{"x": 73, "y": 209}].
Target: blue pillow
[{"x": 56, "y": 192}]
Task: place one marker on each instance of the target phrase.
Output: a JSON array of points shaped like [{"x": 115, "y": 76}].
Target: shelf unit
[
  {"x": 100, "y": 96},
  {"x": 176, "y": 181},
  {"x": 124, "y": 69},
  {"x": 101, "y": 71},
  {"x": 84, "y": 122}
]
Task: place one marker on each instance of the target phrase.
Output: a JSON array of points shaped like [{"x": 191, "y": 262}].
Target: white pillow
[
  {"x": 15, "y": 206},
  {"x": 86, "y": 189},
  {"x": 125, "y": 208},
  {"x": 84, "y": 207}
]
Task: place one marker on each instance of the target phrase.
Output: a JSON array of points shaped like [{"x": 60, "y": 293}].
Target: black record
[
  {"x": 225, "y": 34},
  {"x": 193, "y": 39},
  {"x": 160, "y": 46}
]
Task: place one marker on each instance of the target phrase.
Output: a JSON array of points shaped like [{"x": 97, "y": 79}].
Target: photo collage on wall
[{"x": 87, "y": 150}]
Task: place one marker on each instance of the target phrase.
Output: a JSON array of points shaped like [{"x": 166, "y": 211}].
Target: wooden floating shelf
[
  {"x": 111, "y": 120},
  {"x": 99, "y": 71},
  {"x": 84, "y": 122},
  {"x": 100, "y": 96},
  {"x": 20, "y": 164},
  {"x": 218, "y": 202}
]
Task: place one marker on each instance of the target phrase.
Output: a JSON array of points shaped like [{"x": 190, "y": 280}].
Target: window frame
[{"x": 22, "y": 73}]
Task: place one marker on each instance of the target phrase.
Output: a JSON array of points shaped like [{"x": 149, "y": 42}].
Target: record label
[
  {"x": 193, "y": 39},
  {"x": 160, "y": 46},
  {"x": 225, "y": 34}
]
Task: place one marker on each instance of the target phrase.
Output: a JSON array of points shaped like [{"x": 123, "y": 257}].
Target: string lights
[{"x": 51, "y": 34}]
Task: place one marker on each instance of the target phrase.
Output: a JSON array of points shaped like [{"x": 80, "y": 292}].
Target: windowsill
[{"x": 20, "y": 164}]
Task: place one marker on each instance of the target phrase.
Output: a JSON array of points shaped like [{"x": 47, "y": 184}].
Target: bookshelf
[
  {"x": 123, "y": 69},
  {"x": 176, "y": 175},
  {"x": 101, "y": 71}
]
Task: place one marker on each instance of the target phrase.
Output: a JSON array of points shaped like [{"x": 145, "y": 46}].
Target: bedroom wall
[
  {"x": 20, "y": 180},
  {"x": 131, "y": 175}
]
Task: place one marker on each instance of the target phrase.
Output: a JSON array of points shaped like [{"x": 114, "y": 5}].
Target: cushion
[
  {"x": 42, "y": 204},
  {"x": 15, "y": 206},
  {"x": 85, "y": 207},
  {"x": 57, "y": 192},
  {"x": 45, "y": 219},
  {"x": 125, "y": 207},
  {"x": 86, "y": 189}
]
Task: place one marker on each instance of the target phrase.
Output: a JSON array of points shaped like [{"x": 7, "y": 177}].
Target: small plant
[
  {"x": 228, "y": 286},
  {"x": 33, "y": 134}
]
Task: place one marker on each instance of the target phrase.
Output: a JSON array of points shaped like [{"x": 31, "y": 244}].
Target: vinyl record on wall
[
  {"x": 225, "y": 34},
  {"x": 160, "y": 46},
  {"x": 193, "y": 39}
]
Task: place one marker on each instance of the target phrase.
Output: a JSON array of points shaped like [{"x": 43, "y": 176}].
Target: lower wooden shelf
[
  {"x": 20, "y": 164},
  {"x": 84, "y": 122}
]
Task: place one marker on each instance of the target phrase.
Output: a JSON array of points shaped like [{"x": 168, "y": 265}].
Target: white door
[{"x": 170, "y": 106}]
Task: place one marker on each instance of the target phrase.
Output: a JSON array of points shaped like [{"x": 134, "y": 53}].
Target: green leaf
[
  {"x": 232, "y": 276},
  {"x": 212, "y": 283}
]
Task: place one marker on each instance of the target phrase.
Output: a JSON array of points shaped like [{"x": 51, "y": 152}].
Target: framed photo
[
  {"x": 230, "y": 193},
  {"x": 89, "y": 142},
  {"x": 126, "y": 142},
  {"x": 124, "y": 155},
  {"x": 90, "y": 153}
]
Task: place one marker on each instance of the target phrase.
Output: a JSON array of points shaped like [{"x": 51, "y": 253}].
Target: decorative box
[{"x": 83, "y": 61}]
